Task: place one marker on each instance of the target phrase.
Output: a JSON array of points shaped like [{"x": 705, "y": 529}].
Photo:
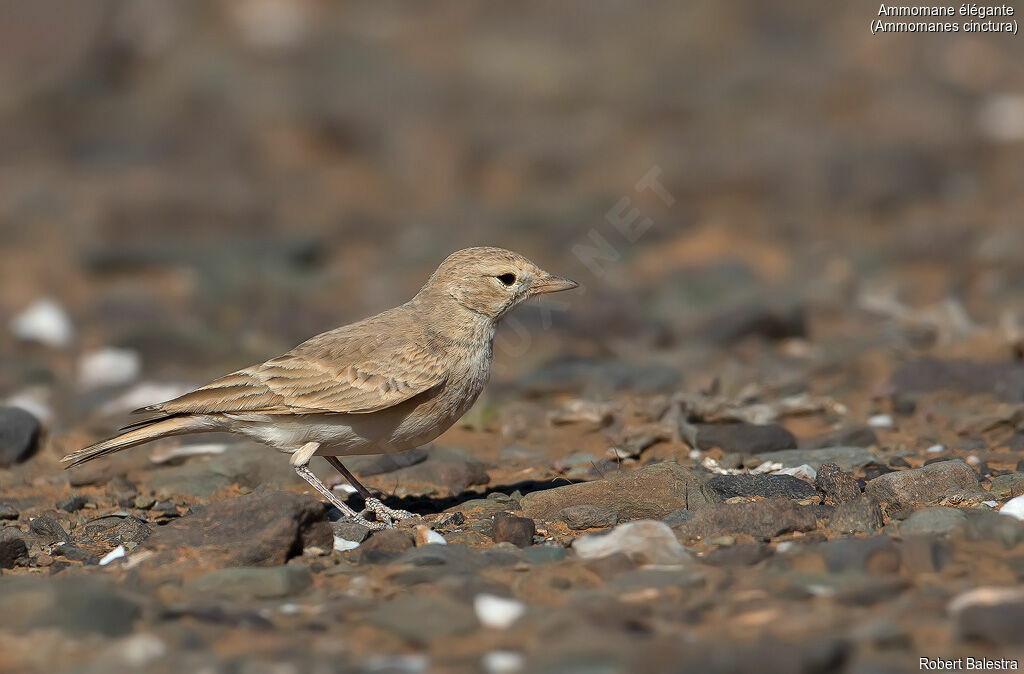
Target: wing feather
[{"x": 361, "y": 368}]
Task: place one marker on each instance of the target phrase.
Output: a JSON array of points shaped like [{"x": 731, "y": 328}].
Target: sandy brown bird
[{"x": 390, "y": 382}]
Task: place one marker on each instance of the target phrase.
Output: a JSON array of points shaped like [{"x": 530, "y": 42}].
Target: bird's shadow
[{"x": 430, "y": 505}]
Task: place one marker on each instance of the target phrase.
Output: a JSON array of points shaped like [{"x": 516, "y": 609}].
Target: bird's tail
[{"x": 144, "y": 432}]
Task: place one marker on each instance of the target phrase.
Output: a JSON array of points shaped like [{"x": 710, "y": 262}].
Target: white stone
[
  {"x": 44, "y": 321},
  {"x": 935, "y": 449},
  {"x": 985, "y": 596},
  {"x": 497, "y": 612},
  {"x": 116, "y": 553},
  {"x": 503, "y": 662},
  {"x": 35, "y": 401},
  {"x": 345, "y": 487},
  {"x": 435, "y": 538},
  {"x": 1014, "y": 508},
  {"x": 881, "y": 421},
  {"x": 650, "y": 541},
  {"x": 138, "y": 650},
  {"x": 109, "y": 366},
  {"x": 804, "y": 472},
  {"x": 343, "y": 544}
]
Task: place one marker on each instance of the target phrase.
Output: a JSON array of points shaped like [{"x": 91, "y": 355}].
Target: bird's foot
[
  {"x": 384, "y": 513},
  {"x": 376, "y": 525}
]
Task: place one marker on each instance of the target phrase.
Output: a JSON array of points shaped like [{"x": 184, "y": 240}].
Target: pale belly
[{"x": 404, "y": 426}]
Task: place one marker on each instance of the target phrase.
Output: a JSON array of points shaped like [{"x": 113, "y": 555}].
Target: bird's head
[{"x": 492, "y": 281}]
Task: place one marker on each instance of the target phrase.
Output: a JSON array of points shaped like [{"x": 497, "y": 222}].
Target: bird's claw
[{"x": 385, "y": 514}]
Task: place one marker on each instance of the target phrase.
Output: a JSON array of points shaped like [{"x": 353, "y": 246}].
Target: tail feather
[{"x": 152, "y": 430}]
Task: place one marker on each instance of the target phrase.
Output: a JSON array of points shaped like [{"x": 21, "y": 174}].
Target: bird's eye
[{"x": 508, "y": 278}]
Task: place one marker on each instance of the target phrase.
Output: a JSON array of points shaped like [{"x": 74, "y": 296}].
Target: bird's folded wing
[{"x": 338, "y": 377}]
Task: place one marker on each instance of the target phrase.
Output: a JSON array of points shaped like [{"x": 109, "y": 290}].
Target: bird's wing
[{"x": 354, "y": 370}]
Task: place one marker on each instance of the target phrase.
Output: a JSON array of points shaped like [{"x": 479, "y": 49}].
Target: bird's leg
[
  {"x": 373, "y": 504},
  {"x": 299, "y": 462}
]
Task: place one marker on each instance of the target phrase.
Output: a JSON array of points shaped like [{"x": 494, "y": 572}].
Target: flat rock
[
  {"x": 48, "y": 530},
  {"x": 12, "y": 547},
  {"x": 922, "y": 486},
  {"x": 749, "y": 484},
  {"x": 745, "y": 438},
  {"x": 760, "y": 519},
  {"x": 650, "y": 492},
  {"x": 861, "y": 515},
  {"x": 79, "y": 605},
  {"x": 8, "y": 512},
  {"x": 847, "y": 458},
  {"x": 19, "y": 436},
  {"x": 588, "y": 516},
  {"x": 385, "y": 545},
  {"x": 643, "y": 541},
  {"x": 422, "y": 619},
  {"x": 253, "y": 582},
  {"x": 449, "y": 469},
  {"x": 253, "y": 530},
  {"x": 243, "y": 465},
  {"x": 932, "y": 521},
  {"x": 378, "y": 464}
]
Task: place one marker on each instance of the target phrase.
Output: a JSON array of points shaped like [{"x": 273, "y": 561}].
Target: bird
[{"x": 387, "y": 383}]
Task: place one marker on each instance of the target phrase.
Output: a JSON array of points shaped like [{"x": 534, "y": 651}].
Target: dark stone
[
  {"x": 749, "y": 484},
  {"x": 745, "y": 438},
  {"x": 926, "y": 375},
  {"x": 861, "y": 515},
  {"x": 385, "y": 545},
  {"x": 130, "y": 531},
  {"x": 836, "y": 486},
  {"x": 258, "y": 529},
  {"x": 847, "y": 458},
  {"x": 8, "y": 512},
  {"x": 852, "y": 436},
  {"x": 925, "y": 554},
  {"x": 760, "y": 519},
  {"x": 1004, "y": 486},
  {"x": 121, "y": 489},
  {"x": 76, "y": 554},
  {"x": 511, "y": 529},
  {"x": 12, "y": 547},
  {"x": 649, "y": 492},
  {"x": 922, "y": 486},
  {"x": 587, "y": 516},
  {"x": 48, "y": 530},
  {"x": 72, "y": 503},
  {"x": 933, "y": 521},
  {"x": 993, "y": 526},
  {"x": 19, "y": 436},
  {"x": 79, "y": 605},
  {"x": 423, "y": 619}
]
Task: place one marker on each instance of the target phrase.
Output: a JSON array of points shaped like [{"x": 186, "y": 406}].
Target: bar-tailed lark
[{"x": 390, "y": 382}]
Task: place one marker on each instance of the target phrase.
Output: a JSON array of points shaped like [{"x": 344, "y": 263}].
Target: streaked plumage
[{"x": 387, "y": 383}]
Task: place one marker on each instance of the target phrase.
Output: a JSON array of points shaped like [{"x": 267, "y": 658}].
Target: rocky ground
[{"x": 779, "y": 428}]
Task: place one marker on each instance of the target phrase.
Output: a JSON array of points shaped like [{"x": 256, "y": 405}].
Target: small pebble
[
  {"x": 45, "y": 322},
  {"x": 108, "y": 367},
  {"x": 881, "y": 421},
  {"x": 116, "y": 553},
  {"x": 497, "y": 612},
  {"x": 72, "y": 503},
  {"x": 503, "y": 662}
]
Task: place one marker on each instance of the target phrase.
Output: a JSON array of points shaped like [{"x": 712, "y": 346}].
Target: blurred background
[
  {"x": 759, "y": 200},
  {"x": 209, "y": 182}
]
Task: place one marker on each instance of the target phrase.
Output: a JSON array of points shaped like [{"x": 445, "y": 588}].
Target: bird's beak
[{"x": 551, "y": 284}]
